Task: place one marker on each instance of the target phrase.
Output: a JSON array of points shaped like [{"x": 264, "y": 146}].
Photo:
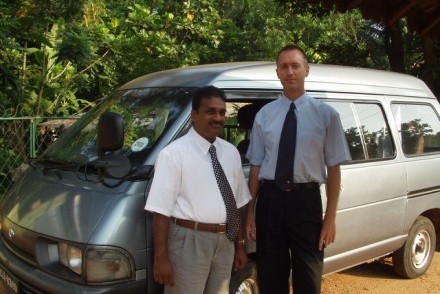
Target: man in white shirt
[{"x": 193, "y": 251}]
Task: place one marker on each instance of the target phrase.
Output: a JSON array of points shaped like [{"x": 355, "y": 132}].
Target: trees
[
  {"x": 405, "y": 51},
  {"x": 59, "y": 57},
  {"x": 30, "y": 33}
]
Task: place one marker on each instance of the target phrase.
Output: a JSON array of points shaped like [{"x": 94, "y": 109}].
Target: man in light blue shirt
[{"x": 290, "y": 231}]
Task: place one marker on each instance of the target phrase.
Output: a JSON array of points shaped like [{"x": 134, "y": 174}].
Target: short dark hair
[
  {"x": 206, "y": 92},
  {"x": 292, "y": 47}
]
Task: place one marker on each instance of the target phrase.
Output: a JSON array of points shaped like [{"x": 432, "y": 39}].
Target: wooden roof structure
[{"x": 423, "y": 16}]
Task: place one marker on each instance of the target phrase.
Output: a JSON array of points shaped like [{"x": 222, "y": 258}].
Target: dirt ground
[{"x": 379, "y": 278}]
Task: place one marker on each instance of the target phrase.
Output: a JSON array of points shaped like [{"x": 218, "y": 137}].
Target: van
[{"x": 74, "y": 220}]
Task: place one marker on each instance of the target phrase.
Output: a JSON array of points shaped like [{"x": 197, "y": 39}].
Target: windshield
[{"x": 147, "y": 113}]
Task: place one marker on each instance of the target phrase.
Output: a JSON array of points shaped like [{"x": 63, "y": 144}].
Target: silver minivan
[{"x": 74, "y": 222}]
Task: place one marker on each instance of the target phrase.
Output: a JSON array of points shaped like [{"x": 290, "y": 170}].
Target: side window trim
[
  {"x": 361, "y": 130},
  {"x": 409, "y": 130},
  {"x": 388, "y": 144}
]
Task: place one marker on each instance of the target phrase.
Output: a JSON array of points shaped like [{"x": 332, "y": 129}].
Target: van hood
[{"x": 58, "y": 204}]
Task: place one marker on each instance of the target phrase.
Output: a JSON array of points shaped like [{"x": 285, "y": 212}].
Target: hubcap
[
  {"x": 248, "y": 286},
  {"x": 420, "y": 249}
]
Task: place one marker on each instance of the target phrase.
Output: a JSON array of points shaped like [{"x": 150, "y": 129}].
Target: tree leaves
[{"x": 59, "y": 57}]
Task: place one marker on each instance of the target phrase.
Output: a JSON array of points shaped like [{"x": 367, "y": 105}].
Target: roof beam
[
  {"x": 431, "y": 25},
  {"x": 354, "y": 4},
  {"x": 398, "y": 14}
]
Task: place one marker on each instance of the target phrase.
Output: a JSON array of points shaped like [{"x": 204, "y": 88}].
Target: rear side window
[
  {"x": 366, "y": 129},
  {"x": 240, "y": 119},
  {"x": 418, "y": 126}
]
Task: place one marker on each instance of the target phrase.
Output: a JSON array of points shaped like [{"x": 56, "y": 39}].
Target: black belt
[{"x": 292, "y": 187}]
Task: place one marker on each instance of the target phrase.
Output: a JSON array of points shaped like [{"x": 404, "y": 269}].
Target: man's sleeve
[
  {"x": 336, "y": 148},
  {"x": 164, "y": 189},
  {"x": 255, "y": 153}
]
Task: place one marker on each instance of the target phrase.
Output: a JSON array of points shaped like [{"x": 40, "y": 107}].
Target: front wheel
[
  {"x": 414, "y": 257},
  {"x": 245, "y": 280}
]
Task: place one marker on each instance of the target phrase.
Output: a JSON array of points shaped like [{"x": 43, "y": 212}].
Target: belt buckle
[
  {"x": 289, "y": 189},
  {"x": 284, "y": 186}
]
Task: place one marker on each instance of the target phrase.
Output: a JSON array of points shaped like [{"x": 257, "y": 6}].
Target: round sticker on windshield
[{"x": 140, "y": 144}]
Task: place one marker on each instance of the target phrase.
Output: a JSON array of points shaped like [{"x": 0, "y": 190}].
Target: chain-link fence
[{"x": 23, "y": 138}]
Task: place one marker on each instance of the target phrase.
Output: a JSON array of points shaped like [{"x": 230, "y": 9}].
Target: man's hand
[
  {"x": 163, "y": 271},
  {"x": 240, "y": 258},
  {"x": 250, "y": 224},
  {"x": 328, "y": 232},
  {"x": 254, "y": 187}
]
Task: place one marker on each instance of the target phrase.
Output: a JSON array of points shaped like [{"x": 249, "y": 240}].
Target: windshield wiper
[{"x": 49, "y": 164}]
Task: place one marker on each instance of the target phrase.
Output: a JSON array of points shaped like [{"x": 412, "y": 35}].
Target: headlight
[
  {"x": 71, "y": 257},
  {"x": 106, "y": 265}
]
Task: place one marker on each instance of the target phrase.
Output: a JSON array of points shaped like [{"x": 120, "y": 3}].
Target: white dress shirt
[{"x": 184, "y": 184}]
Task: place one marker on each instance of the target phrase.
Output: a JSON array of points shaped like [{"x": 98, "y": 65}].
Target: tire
[
  {"x": 414, "y": 258},
  {"x": 245, "y": 280}
]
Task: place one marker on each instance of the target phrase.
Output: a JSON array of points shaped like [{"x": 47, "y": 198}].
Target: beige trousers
[{"x": 202, "y": 261}]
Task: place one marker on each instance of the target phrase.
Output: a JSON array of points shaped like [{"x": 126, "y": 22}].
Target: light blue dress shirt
[{"x": 320, "y": 139}]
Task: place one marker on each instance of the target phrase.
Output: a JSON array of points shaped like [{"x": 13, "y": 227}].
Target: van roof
[{"x": 262, "y": 75}]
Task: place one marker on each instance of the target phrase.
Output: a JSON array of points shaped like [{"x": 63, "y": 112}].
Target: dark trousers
[{"x": 288, "y": 230}]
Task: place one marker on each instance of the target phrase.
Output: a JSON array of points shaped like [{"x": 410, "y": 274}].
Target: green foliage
[
  {"x": 58, "y": 57},
  {"x": 76, "y": 47},
  {"x": 258, "y": 29},
  {"x": 174, "y": 35}
]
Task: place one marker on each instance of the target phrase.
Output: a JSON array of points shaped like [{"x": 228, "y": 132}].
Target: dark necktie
[
  {"x": 232, "y": 218},
  {"x": 286, "y": 151}
]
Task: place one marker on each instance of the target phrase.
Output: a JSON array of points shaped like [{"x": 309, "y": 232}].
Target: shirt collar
[
  {"x": 298, "y": 101},
  {"x": 201, "y": 142}
]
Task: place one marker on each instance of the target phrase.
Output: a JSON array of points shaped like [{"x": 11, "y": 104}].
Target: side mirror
[
  {"x": 110, "y": 132},
  {"x": 111, "y": 138}
]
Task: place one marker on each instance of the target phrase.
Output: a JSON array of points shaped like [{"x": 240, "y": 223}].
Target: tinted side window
[
  {"x": 418, "y": 126},
  {"x": 232, "y": 131},
  {"x": 239, "y": 120},
  {"x": 367, "y": 132}
]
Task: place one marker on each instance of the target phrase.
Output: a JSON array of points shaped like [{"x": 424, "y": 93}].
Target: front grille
[
  {"x": 26, "y": 289},
  {"x": 18, "y": 251}
]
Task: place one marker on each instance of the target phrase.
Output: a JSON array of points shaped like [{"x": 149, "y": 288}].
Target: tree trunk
[
  {"x": 431, "y": 61},
  {"x": 394, "y": 48}
]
